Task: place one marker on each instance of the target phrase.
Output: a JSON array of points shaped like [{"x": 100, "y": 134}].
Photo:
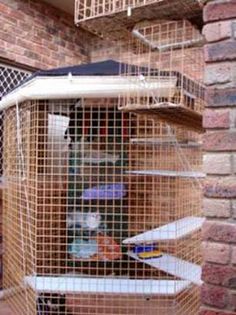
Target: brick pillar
[
  {"x": 1, "y": 246},
  {"x": 219, "y": 232}
]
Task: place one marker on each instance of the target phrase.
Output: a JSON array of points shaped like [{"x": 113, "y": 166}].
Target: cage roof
[
  {"x": 102, "y": 68},
  {"x": 94, "y": 80},
  {"x": 107, "y": 67}
]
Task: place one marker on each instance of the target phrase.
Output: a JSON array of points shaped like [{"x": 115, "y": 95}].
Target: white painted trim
[{"x": 69, "y": 87}]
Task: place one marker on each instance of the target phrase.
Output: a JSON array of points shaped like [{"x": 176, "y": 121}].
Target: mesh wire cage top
[
  {"x": 168, "y": 57},
  {"x": 109, "y": 16},
  {"x": 102, "y": 207}
]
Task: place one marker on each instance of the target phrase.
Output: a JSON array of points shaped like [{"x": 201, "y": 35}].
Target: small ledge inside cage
[
  {"x": 174, "y": 266},
  {"x": 167, "y": 142},
  {"x": 167, "y": 173},
  {"x": 171, "y": 231}
]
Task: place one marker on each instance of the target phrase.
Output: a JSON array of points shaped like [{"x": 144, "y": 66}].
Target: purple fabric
[{"x": 106, "y": 192}]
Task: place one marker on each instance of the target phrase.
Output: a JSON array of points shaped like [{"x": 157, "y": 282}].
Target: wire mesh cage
[
  {"x": 102, "y": 210},
  {"x": 168, "y": 58},
  {"x": 112, "y": 16},
  {"x": 9, "y": 78}
]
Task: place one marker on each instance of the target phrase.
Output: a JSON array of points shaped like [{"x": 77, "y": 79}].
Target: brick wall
[
  {"x": 36, "y": 34},
  {"x": 1, "y": 247},
  {"x": 219, "y": 232}
]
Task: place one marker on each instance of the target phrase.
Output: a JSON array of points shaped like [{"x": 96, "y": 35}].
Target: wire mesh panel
[
  {"x": 165, "y": 64},
  {"x": 95, "y": 15},
  {"x": 101, "y": 211},
  {"x": 9, "y": 78}
]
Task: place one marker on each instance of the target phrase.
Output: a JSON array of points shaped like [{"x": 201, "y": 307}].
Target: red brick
[
  {"x": 17, "y": 14},
  {"x": 34, "y": 22},
  {"x": 220, "y": 141},
  {"x": 214, "y": 296},
  {"x": 233, "y": 203},
  {"x": 9, "y": 38},
  {"x": 216, "y": 252},
  {"x": 25, "y": 43},
  {"x": 44, "y": 35},
  {"x": 216, "y": 119},
  {"x": 219, "y": 10},
  {"x": 7, "y": 20},
  {"x": 234, "y": 163},
  {"x": 221, "y": 51},
  {"x": 217, "y": 163},
  {"x": 50, "y": 62},
  {"x": 219, "y": 208},
  {"x": 17, "y": 50},
  {"x": 220, "y": 97},
  {"x": 232, "y": 302},
  {"x": 218, "y": 31},
  {"x": 233, "y": 257},
  {"x": 220, "y": 275},
  {"x": 4, "y": 9},
  {"x": 205, "y": 311},
  {"x": 224, "y": 187},
  {"x": 233, "y": 116},
  {"x": 219, "y": 232},
  {"x": 32, "y": 55},
  {"x": 50, "y": 46},
  {"x": 220, "y": 73}
]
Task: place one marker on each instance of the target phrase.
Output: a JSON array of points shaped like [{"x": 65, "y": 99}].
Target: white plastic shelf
[
  {"x": 158, "y": 142},
  {"x": 105, "y": 285},
  {"x": 174, "y": 266},
  {"x": 167, "y": 173},
  {"x": 172, "y": 231}
]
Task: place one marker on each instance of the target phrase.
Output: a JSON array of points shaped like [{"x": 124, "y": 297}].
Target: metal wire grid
[
  {"x": 70, "y": 202},
  {"x": 167, "y": 56},
  {"x": 10, "y": 77},
  {"x": 89, "y": 9}
]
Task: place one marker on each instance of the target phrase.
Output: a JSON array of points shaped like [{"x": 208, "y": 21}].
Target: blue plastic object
[{"x": 143, "y": 248}]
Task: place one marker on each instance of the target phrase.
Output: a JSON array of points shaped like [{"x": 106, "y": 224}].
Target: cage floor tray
[
  {"x": 105, "y": 285},
  {"x": 170, "y": 113},
  {"x": 174, "y": 266},
  {"x": 167, "y": 173},
  {"x": 172, "y": 231}
]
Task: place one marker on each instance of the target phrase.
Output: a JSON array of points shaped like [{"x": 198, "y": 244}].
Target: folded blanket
[{"x": 105, "y": 192}]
